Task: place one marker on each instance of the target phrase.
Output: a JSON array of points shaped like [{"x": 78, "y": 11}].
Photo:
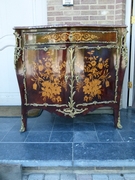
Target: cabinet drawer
[{"x": 70, "y": 37}]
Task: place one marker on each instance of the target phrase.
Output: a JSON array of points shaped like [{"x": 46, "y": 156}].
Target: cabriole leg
[
  {"x": 117, "y": 122},
  {"x": 24, "y": 120},
  {"x": 119, "y": 126}
]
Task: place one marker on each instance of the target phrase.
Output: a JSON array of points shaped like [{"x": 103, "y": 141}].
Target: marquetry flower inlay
[
  {"x": 47, "y": 79},
  {"x": 96, "y": 76}
]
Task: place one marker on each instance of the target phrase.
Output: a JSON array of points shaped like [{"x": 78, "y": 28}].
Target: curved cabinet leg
[
  {"x": 117, "y": 122},
  {"x": 23, "y": 128},
  {"x": 24, "y": 120}
]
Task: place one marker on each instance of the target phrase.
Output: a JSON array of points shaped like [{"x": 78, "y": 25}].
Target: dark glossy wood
[{"x": 70, "y": 70}]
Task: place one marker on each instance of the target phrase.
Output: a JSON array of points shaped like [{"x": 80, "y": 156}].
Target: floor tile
[
  {"x": 42, "y": 127},
  {"x": 52, "y": 176},
  {"x": 109, "y": 136},
  {"x": 100, "y": 118},
  {"x": 85, "y": 136},
  {"x": 15, "y": 136},
  {"x": 127, "y": 119},
  {"x": 6, "y": 126},
  {"x": 128, "y": 136},
  {"x": 100, "y": 177},
  {"x": 84, "y": 119},
  {"x": 129, "y": 176},
  {"x": 129, "y": 150},
  {"x": 61, "y": 136},
  {"x": 61, "y": 120},
  {"x": 68, "y": 177},
  {"x": 2, "y": 134},
  {"x": 127, "y": 114},
  {"x": 45, "y": 117},
  {"x": 9, "y": 120},
  {"x": 63, "y": 127},
  {"x": 104, "y": 127},
  {"x": 116, "y": 176},
  {"x": 36, "y": 176},
  {"x": 84, "y": 127},
  {"x": 127, "y": 125},
  {"x": 17, "y": 125},
  {"x": 84, "y": 177},
  {"x": 104, "y": 151},
  {"x": 36, "y": 151},
  {"x": 39, "y": 136}
]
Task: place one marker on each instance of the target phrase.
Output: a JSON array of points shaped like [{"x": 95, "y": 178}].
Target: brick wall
[{"x": 86, "y": 12}]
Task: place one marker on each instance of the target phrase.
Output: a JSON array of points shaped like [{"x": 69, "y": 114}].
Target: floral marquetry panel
[
  {"x": 45, "y": 76},
  {"x": 97, "y": 80},
  {"x": 70, "y": 70}
]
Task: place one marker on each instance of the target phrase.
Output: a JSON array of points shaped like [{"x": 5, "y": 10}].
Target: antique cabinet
[{"x": 70, "y": 70}]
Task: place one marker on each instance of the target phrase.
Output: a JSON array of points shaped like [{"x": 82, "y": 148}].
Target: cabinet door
[
  {"x": 46, "y": 69},
  {"x": 12, "y": 14},
  {"x": 96, "y": 73}
]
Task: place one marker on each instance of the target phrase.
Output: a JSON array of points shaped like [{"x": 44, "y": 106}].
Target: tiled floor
[{"x": 77, "y": 141}]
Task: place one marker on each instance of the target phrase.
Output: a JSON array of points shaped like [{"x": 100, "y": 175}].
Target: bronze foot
[
  {"x": 22, "y": 127},
  {"x": 119, "y": 126}
]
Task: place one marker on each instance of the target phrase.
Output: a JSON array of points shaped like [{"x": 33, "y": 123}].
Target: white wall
[{"x": 15, "y": 13}]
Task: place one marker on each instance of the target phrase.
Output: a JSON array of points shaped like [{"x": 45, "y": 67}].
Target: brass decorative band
[
  {"x": 71, "y": 36},
  {"x": 124, "y": 50},
  {"x": 18, "y": 48}
]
